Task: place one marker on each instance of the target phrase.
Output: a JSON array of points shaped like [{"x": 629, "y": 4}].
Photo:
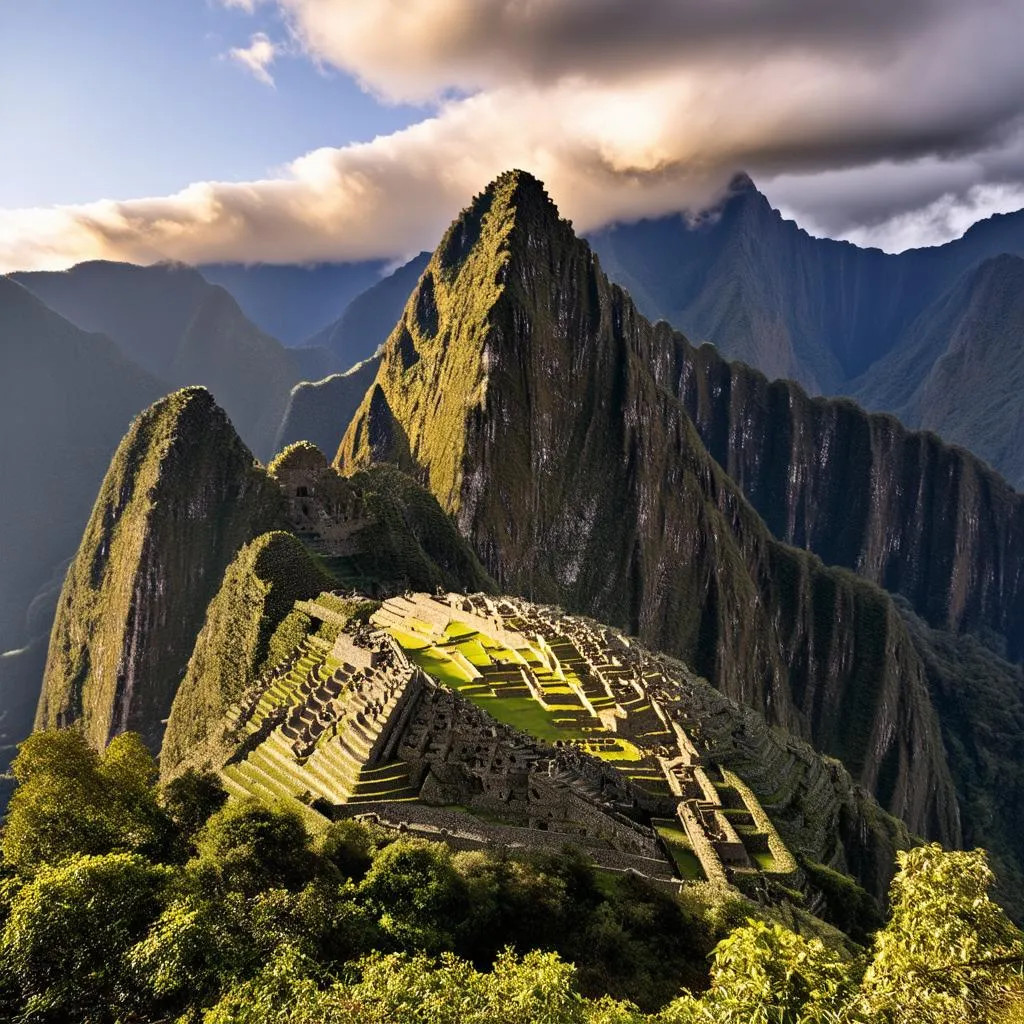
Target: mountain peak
[
  {"x": 741, "y": 182},
  {"x": 512, "y": 200}
]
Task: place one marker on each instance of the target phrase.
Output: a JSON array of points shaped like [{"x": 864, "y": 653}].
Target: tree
[
  {"x": 71, "y": 800},
  {"x": 191, "y": 799},
  {"x": 350, "y": 846},
  {"x": 949, "y": 954},
  {"x": 417, "y": 893},
  {"x": 69, "y": 929},
  {"x": 248, "y": 847},
  {"x": 766, "y": 974},
  {"x": 400, "y": 989},
  {"x": 58, "y": 807}
]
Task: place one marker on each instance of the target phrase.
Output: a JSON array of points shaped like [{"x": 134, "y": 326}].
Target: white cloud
[
  {"x": 855, "y": 115},
  {"x": 258, "y": 56}
]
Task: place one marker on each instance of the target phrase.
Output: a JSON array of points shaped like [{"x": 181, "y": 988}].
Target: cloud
[
  {"x": 258, "y": 56},
  {"x": 855, "y": 116},
  {"x": 416, "y": 49}
]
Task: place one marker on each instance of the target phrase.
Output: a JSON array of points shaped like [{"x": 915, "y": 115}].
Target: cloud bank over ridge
[{"x": 890, "y": 123}]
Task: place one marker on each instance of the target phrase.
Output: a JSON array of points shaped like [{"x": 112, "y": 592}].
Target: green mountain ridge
[
  {"x": 182, "y": 495},
  {"x": 522, "y": 387}
]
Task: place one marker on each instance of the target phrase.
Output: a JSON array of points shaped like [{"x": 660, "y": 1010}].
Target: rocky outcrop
[
  {"x": 531, "y": 397},
  {"x": 182, "y": 495}
]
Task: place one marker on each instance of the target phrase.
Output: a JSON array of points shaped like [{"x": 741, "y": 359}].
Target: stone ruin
[
  {"x": 357, "y": 727},
  {"x": 322, "y": 507}
]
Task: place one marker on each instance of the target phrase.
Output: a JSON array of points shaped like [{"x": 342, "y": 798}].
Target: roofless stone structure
[{"x": 498, "y": 723}]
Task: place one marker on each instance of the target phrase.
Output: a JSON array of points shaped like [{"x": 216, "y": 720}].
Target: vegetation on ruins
[{"x": 120, "y": 901}]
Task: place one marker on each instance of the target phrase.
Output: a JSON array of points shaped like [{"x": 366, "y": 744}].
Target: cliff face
[
  {"x": 529, "y": 394},
  {"x": 921, "y": 518},
  {"x": 182, "y": 495}
]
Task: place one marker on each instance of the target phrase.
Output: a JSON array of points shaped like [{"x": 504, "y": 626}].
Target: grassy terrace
[
  {"x": 458, "y": 661},
  {"x": 673, "y": 835}
]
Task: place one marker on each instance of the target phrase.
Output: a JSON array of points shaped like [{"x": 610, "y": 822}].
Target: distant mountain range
[
  {"x": 174, "y": 324},
  {"x": 294, "y": 302},
  {"x": 891, "y": 330}
]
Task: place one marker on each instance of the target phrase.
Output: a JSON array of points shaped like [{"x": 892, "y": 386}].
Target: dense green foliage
[
  {"x": 157, "y": 905},
  {"x": 259, "y": 590}
]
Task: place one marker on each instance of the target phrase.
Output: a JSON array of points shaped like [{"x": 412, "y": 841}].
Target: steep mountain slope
[
  {"x": 259, "y": 589},
  {"x": 174, "y": 324},
  {"x": 294, "y": 301},
  {"x": 371, "y": 316},
  {"x": 525, "y": 390},
  {"x": 182, "y": 495},
  {"x": 959, "y": 367},
  {"x": 921, "y": 518},
  {"x": 320, "y": 411}
]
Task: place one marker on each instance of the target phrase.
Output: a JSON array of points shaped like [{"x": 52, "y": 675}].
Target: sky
[{"x": 308, "y": 130}]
